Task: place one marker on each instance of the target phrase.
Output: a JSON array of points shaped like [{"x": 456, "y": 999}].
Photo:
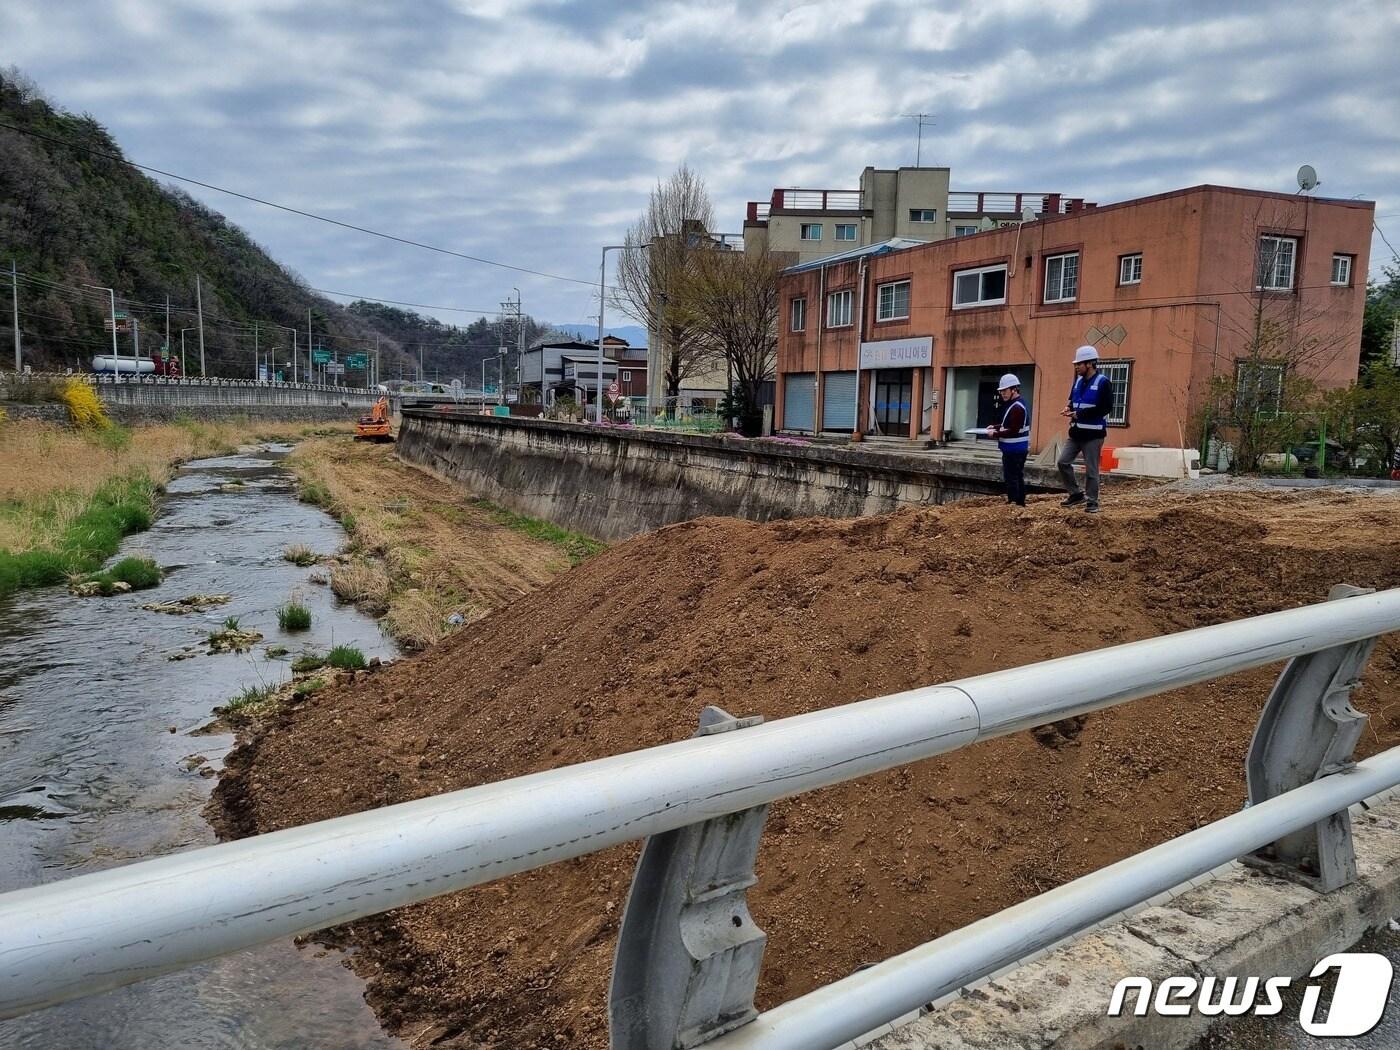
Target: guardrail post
[
  {"x": 1307, "y": 731},
  {"x": 688, "y": 954}
]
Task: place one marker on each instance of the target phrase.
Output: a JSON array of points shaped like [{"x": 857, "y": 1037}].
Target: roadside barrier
[{"x": 689, "y": 953}]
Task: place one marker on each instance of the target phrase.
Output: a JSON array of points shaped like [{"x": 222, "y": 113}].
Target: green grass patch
[
  {"x": 308, "y": 663},
  {"x": 315, "y": 493},
  {"x": 118, "y": 508},
  {"x": 294, "y": 617},
  {"x": 306, "y": 688},
  {"x": 249, "y": 697},
  {"x": 276, "y": 652},
  {"x": 346, "y": 658},
  {"x": 299, "y": 554},
  {"x": 230, "y": 623},
  {"x": 577, "y": 546},
  {"x": 139, "y": 574},
  {"x": 347, "y": 521}
]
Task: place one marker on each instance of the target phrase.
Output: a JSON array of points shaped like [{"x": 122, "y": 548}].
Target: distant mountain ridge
[{"x": 75, "y": 218}]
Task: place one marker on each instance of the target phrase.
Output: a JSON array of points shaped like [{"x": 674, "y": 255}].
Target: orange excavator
[{"x": 375, "y": 426}]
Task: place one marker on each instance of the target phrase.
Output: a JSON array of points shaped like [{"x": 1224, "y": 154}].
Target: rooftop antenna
[
  {"x": 1307, "y": 178},
  {"x": 925, "y": 120}
]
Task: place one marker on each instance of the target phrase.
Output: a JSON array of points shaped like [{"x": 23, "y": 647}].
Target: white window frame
[
  {"x": 1120, "y": 374},
  {"x": 979, "y": 272},
  {"x": 806, "y": 226},
  {"x": 966, "y": 231},
  {"x": 1130, "y": 268},
  {"x": 1275, "y": 280},
  {"x": 797, "y": 314},
  {"x": 1070, "y": 282},
  {"x": 846, "y": 227},
  {"x": 838, "y": 308},
  {"x": 880, "y": 304},
  {"x": 918, "y": 214},
  {"x": 1347, "y": 262}
]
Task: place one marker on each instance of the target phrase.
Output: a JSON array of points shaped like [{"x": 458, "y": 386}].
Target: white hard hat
[
  {"x": 1085, "y": 353},
  {"x": 1008, "y": 381}
]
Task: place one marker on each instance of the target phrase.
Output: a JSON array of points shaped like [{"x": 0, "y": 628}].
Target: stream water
[{"x": 95, "y": 754}]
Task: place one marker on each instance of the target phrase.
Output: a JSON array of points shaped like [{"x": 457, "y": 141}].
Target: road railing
[{"x": 689, "y": 953}]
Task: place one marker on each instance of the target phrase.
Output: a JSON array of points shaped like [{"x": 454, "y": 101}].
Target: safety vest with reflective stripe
[
  {"x": 1021, "y": 440},
  {"x": 1092, "y": 401}
]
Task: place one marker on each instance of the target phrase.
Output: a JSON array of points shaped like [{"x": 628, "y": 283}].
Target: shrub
[
  {"x": 84, "y": 407},
  {"x": 346, "y": 658},
  {"x": 299, "y": 554},
  {"x": 294, "y": 617},
  {"x": 138, "y": 573}
]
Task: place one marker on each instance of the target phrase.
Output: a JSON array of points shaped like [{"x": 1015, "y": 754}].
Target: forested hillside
[{"x": 77, "y": 221}]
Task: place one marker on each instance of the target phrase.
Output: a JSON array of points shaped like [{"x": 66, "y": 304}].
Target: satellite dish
[
  {"x": 1028, "y": 214},
  {"x": 1307, "y": 177}
]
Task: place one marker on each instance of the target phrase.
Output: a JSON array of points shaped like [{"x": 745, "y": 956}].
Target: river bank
[
  {"x": 424, "y": 555},
  {"x": 794, "y": 616},
  {"x": 69, "y": 495}
]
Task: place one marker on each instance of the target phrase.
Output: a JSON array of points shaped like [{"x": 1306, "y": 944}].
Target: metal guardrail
[
  {"x": 109, "y": 379},
  {"x": 688, "y": 953}
]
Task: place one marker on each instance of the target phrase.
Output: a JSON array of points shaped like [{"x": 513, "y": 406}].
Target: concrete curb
[{"x": 1233, "y": 921}]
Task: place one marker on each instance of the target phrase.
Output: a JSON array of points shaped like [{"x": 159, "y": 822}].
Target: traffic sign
[
  {"x": 320, "y": 357},
  {"x": 334, "y": 369},
  {"x": 357, "y": 360},
  {"x": 614, "y": 389}
]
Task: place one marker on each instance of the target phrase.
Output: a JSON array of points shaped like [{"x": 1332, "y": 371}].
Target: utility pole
[
  {"x": 14, "y": 287},
  {"x": 116, "y": 353},
  {"x": 420, "y": 362},
  {"x": 257, "y": 360},
  {"x": 510, "y": 310},
  {"x": 310, "y": 354},
  {"x": 199, "y": 305},
  {"x": 167, "y": 324}
]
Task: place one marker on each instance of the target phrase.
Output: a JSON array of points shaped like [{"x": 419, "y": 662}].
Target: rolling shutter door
[
  {"x": 839, "y": 401},
  {"x": 799, "y": 401}
]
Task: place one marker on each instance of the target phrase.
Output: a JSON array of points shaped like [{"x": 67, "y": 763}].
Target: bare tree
[
  {"x": 661, "y": 251},
  {"x": 731, "y": 300}
]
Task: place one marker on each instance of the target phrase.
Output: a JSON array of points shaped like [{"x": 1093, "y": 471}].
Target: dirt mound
[{"x": 789, "y": 617}]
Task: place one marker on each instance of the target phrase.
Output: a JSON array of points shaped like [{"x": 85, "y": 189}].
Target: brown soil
[{"x": 787, "y": 617}]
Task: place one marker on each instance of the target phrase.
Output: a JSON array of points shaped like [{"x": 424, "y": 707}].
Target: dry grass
[
  {"x": 426, "y": 556},
  {"x": 49, "y": 473},
  {"x": 364, "y": 583}
]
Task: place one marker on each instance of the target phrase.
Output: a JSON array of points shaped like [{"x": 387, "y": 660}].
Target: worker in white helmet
[
  {"x": 1090, "y": 401},
  {"x": 1013, "y": 436}
]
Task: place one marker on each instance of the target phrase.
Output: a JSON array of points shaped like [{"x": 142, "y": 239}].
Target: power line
[
  {"x": 1387, "y": 242},
  {"x": 396, "y": 302},
  {"x": 294, "y": 211}
]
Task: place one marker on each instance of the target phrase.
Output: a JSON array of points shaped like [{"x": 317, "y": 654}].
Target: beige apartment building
[{"x": 907, "y": 203}]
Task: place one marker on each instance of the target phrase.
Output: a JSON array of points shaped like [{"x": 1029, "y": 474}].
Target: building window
[
  {"x": 1259, "y": 388},
  {"x": 811, "y": 231},
  {"x": 845, "y": 231},
  {"x": 985, "y": 286},
  {"x": 892, "y": 301},
  {"x": 798, "y": 315},
  {"x": 1341, "y": 269},
  {"x": 923, "y": 214},
  {"x": 838, "y": 309},
  {"x": 1061, "y": 277},
  {"x": 1276, "y": 259},
  {"x": 626, "y": 376},
  {"x": 1130, "y": 269},
  {"x": 1120, "y": 374},
  {"x": 965, "y": 231}
]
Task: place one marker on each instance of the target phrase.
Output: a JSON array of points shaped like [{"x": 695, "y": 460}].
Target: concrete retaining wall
[
  {"x": 191, "y": 395},
  {"x": 612, "y": 483}
]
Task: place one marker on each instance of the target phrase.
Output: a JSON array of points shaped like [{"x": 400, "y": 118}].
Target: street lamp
[{"x": 602, "y": 305}]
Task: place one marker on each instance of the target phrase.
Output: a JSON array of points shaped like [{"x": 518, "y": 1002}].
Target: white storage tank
[{"x": 125, "y": 365}]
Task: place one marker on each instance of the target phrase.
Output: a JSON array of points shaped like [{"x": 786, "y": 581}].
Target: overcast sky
[{"x": 531, "y": 132}]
